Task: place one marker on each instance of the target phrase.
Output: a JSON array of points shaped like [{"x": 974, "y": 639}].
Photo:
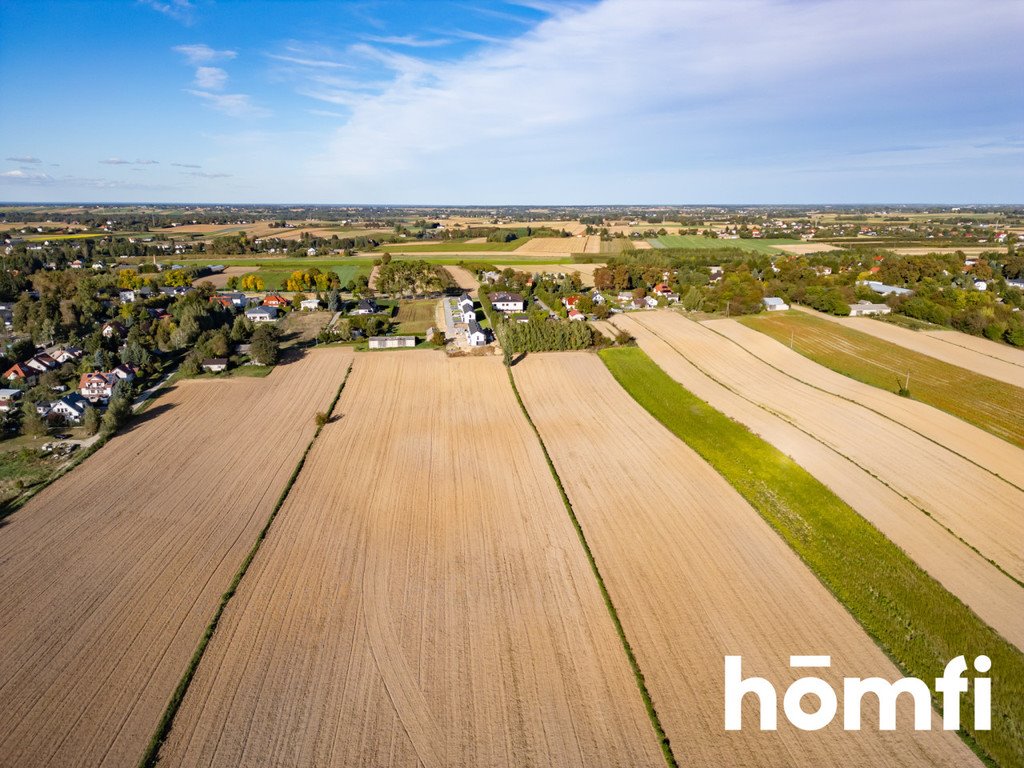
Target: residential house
[
  {"x": 570, "y": 302},
  {"x": 65, "y": 354},
  {"x": 507, "y": 302},
  {"x": 884, "y": 289},
  {"x": 865, "y": 308},
  {"x": 262, "y": 314},
  {"x": 475, "y": 335},
  {"x": 42, "y": 363},
  {"x": 774, "y": 304},
  {"x": 275, "y": 300},
  {"x": 21, "y": 372},
  {"x": 650, "y": 302},
  {"x": 215, "y": 364},
  {"x": 597, "y": 297},
  {"x": 310, "y": 305},
  {"x": 624, "y": 297},
  {"x": 8, "y": 398},
  {"x": 71, "y": 407},
  {"x": 466, "y": 304},
  {"x": 575, "y": 314},
  {"x": 365, "y": 307},
  {"x": 113, "y": 328},
  {"x": 97, "y": 386},
  {"x": 392, "y": 342},
  {"x": 662, "y": 289}
]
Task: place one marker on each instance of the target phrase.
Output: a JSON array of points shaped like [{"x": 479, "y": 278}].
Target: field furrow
[
  {"x": 696, "y": 574},
  {"x": 112, "y": 574},
  {"x": 422, "y": 599}
]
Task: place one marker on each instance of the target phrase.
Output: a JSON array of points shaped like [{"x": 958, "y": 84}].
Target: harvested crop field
[
  {"x": 807, "y": 248},
  {"x": 104, "y": 602},
  {"x": 556, "y": 246},
  {"x": 685, "y": 559},
  {"x": 987, "y": 591},
  {"x": 966, "y": 498},
  {"x": 220, "y": 280},
  {"x": 961, "y": 355},
  {"x": 1004, "y": 352},
  {"x": 415, "y": 317},
  {"x": 993, "y": 405},
  {"x": 465, "y": 279},
  {"x": 422, "y": 599}
]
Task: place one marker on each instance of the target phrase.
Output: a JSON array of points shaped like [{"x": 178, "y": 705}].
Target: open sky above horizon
[{"x": 512, "y": 101}]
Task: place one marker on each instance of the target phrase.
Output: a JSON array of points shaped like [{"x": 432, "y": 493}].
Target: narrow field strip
[
  {"x": 978, "y": 446},
  {"x": 918, "y": 624},
  {"x": 112, "y": 573},
  {"x": 663, "y": 740},
  {"x": 990, "y": 592},
  {"x": 976, "y": 506},
  {"x": 421, "y": 599},
  {"x": 993, "y": 404},
  {"x": 696, "y": 574},
  {"x": 152, "y": 755}
]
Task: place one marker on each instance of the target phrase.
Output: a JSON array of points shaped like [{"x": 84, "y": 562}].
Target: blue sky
[{"x": 536, "y": 101}]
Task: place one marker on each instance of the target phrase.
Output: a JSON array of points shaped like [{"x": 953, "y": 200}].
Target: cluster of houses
[
  {"x": 29, "y": 371},
  {"x": 475, "y": 335}
]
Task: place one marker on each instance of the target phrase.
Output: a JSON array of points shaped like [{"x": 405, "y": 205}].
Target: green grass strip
[
  {"x": 912, "y": 618},
  {"x": 994, "y": 406},
  {"x": 663, "y": 741},
  {"x": 152, "y": 754}
]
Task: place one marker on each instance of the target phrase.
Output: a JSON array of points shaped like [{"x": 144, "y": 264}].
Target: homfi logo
[{"x": 950, "y": 686}]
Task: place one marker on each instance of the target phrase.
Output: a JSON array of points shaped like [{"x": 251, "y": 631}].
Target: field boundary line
[
  {"x": 652, "y": 714},
  {"x": 868, "y": 407},
  {"x": 152, "y": 754},
  {"x": 839, "y": 583},
  {"x": 865, "y": 470}
]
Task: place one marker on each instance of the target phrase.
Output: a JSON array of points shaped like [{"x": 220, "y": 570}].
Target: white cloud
[
  {"x": 410, "y": 41},
  {"x": 211, "y": 78},
  {"x": 115, "y": 161},
  {"x": 186, "y": 165},
  {"x": 179, "y": 10},
  {"x": 200, "y": 53},
  {"x": 232, "y": 104},
  {"x": 24, "y": 159},
  {"x": 26, "y": 177},
  {"x": 203, "y": 175},
  {"x": 665, "y": 87}
]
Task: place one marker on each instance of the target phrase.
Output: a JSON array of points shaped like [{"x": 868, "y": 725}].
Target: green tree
[
  {"x": 91, "y": 420},
  {"x": 265, "y": 348}
]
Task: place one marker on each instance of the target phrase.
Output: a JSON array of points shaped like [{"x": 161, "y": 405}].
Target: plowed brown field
[
  {"x": 989, "y": 592},
  {"x": 422, "y": 599},
  {"x": 111, "y": 575},
  {"x": 696, "y": 574},
  {"x": 965, "y": 354},
  {"x": 977, "y": 506},
  {"x": 465, "y": 279}
]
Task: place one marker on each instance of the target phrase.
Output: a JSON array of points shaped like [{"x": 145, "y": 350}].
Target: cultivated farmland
[
  {"x": 987, "y": 591},
  {"x": 112, "y": 574},
  {"x": 965, "y": 355},
  {"x": 422, "y": 599},
  {"x": 465, "y": 279},
  {"x": 696, "y": 574},
  {"x": 977, "y": 506}
]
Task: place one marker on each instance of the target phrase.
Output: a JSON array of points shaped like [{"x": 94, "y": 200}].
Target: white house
[
  {"x": 71, "y": 407},
  {"x": 507, "y": 302},
  {"x": 465, "y": 303},
  {"x": 392, "y": 342},
  {"x": 215, "y": 364},
  {"x": 865, "y": 308},
  {"x": 774, "y": 304},
  {"x": 7, "y": 399},
  {"x": 365, "y": 307},
  {"x": 468, "y": 316},
  {"x": 980, "y": 285},
  {"x": 884, "y": 289},
  {"x": 575, "y": 314},
  {"x": 310, "y": 305},
  {"x": 262, "y": 314},
  {"x": 475, "y": 335}
]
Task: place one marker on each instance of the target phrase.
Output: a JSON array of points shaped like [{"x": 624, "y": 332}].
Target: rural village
[{"x": 361, "y": 453}]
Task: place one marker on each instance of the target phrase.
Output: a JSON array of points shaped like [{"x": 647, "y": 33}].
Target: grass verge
[
  {"x": 152, "y": 753},
  {"x": 663, "y": 741},
  {"x": 993, "y": 405},
  {"x": 912, "y": 618}
]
